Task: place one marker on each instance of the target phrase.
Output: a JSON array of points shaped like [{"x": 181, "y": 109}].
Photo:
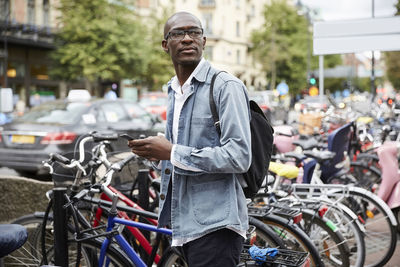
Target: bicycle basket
[
  {"x": 284, "y": 257},
  {"x": 63, "y": 176}
]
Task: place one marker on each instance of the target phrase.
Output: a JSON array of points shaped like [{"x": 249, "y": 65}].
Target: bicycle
[
  {"x": 89, "y": 244},
  {"x": 319, "y": 215}
]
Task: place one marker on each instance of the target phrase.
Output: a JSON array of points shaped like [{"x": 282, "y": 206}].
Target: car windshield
[
  {"x": 153, "y": 101},
  {"x": 55, "y": 112}
]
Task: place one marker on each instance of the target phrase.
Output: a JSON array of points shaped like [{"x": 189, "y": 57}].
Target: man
[{"x": 201, "y": 197}]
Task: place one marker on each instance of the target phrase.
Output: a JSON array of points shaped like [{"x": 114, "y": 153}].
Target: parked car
[
  {"x": 313, "y": 103},
  {"x": 57, "y": 125},
  {"x": 155, "y": 103},
  {"x": 263, "y": 100}
]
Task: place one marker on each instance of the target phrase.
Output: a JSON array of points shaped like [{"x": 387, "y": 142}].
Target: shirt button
[
  {"x": 167, "y": 171},
  {"x": 162, "y": 196}
]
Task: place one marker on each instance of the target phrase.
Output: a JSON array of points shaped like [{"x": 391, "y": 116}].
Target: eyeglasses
[{"x": 178, "y": 35}]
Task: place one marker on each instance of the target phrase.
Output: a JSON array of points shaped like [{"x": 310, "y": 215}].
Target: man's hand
[{"x": 152, "y": 148}]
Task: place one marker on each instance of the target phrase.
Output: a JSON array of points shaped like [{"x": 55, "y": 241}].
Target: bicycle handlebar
[{"x": 104, "y": 186}]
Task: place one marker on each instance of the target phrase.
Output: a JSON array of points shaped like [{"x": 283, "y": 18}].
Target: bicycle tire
[
  {"x": 293, "y": 237},
  {"x": 396, "y": 212},
  {"x": 30, "y": 254},
  {"x": 367, "y": 177},
  {"x": 350, "y": 227},
  {"x": 265, "y": 236},
  {"x": 327, "y": 238},
  {"x": 380, "y": 226}
]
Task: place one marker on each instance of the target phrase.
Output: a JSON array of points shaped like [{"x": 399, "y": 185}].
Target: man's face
[{"x": 184, "y": 40}]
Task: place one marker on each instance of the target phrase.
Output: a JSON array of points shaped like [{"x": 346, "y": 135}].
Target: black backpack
[{"x": 261, "y": 144}]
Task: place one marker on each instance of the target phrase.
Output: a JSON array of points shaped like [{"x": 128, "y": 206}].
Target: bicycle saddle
[
  {"x": 320, "y": 156},
  {"x": 307, "y": 144},
  {"x": 12, "y": 237}
]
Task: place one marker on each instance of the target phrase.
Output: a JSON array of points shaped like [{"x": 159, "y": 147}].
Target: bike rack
[{"x": 60, "y": 227}]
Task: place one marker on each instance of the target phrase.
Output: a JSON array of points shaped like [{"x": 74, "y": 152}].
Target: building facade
[
  {"x": 228, "y": 25},
  {"x": 27, "y": 28}
]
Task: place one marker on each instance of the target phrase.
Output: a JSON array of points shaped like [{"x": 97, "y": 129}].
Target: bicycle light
[
  {"x": 297, "y": 218},
  {"x": 322, "y": 210}
]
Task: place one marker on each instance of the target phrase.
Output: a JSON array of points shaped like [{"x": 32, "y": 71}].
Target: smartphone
[{"x": 126, "y": 136}]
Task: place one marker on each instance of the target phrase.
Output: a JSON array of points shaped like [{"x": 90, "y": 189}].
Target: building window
[
  {"x": 46, "y": 13},
  {"x": 238, "y": 56},
  {"x": 207, "y": 23},
  {"x": 15, "y": 69},
  {"x": 252, "y": 13},
  {"x": 31, "y": 12},
  {"x": 237, "y": 29},
  {"x": 39, "y": 71},
  {"x": 208, "y": 52},
  {"x": 4, "y": 9},
  {"x": 207, "y": 3}
]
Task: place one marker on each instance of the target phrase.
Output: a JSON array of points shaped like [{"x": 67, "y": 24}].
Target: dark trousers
[{"x": 220, "y": 249}]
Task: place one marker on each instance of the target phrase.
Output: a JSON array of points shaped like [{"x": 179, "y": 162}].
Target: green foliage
[
  {"x": 282, "y": 45},
  {"x": 160, "y": 68},
  {"x": 99, "y": 40},
  {"x": 392, "y": 62}
]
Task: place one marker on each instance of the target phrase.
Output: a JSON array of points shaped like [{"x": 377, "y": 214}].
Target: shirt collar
[{"x": 175, "y": 82}]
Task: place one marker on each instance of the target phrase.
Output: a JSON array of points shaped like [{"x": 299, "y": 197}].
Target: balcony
[
  {"x": 28, "y": 34},
  {"x": 206, "y": 3}
]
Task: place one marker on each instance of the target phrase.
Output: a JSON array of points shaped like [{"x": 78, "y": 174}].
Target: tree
[
  {"x": 99, "y": 40},
  {"x": 160, "y": 68},
  {"x": 392, "y": 62},
  {"x": 282, "y": 43}
]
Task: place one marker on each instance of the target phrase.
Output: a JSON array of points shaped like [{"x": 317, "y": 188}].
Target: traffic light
[{"x": 312, "y": 80}]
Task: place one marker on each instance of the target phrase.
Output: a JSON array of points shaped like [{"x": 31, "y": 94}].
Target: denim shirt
[{"x": 196, "y": 203}]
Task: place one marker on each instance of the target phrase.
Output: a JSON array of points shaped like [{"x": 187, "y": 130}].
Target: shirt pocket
[
  {"x": 204, "y": 129},
  {"x": 211, "y": 201}
]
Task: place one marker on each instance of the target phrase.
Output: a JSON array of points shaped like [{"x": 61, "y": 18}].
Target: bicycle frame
[
  {"x": 112, "y": 221},
  {"x": 135, "y": 232}
]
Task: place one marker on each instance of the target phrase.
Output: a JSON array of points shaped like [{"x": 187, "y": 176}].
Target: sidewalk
[{"x": 395, "y": 260}]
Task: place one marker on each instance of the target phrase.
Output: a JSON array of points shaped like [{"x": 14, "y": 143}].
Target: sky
[{"x": 330, "y": 10}]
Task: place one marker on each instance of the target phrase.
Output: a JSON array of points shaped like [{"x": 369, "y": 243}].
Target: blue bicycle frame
[{"x": 112, "y": 220}]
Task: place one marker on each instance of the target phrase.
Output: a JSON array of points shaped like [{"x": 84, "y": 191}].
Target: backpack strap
[{"x": 213, "y": 107}]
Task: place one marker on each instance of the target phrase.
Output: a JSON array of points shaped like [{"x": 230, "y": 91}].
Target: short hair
[{"x": 170, "y": 19}]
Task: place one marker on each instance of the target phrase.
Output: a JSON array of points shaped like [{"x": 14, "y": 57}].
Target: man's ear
[
  {"x": 204, "y": 42},
  {"x": 164, "y": 46}
]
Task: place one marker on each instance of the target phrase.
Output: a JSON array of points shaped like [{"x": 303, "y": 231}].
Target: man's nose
[{"x": 187, "y": 37}]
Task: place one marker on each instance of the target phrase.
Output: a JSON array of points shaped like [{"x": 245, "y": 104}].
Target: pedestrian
[
  {"x": 201, "y": 196},
  {"x": 110, "y": 93}
]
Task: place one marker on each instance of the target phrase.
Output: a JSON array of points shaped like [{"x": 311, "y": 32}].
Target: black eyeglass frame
[{"x": 186, "y": 32}]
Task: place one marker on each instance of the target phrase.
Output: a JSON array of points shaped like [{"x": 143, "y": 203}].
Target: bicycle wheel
[
  {"x": 293, "y": 237},
  {"x": 350, "y": 228},
  {"x": 368, "y": 177},
  {"x": 29, "y": 254},
  {"x": 379, "y": 222},
  {"x": 327, "y": 238},
  {"x": 396, "y": 213},
  {"x": 172, "y": 257},
  {"x": 263, "y": 236}
]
